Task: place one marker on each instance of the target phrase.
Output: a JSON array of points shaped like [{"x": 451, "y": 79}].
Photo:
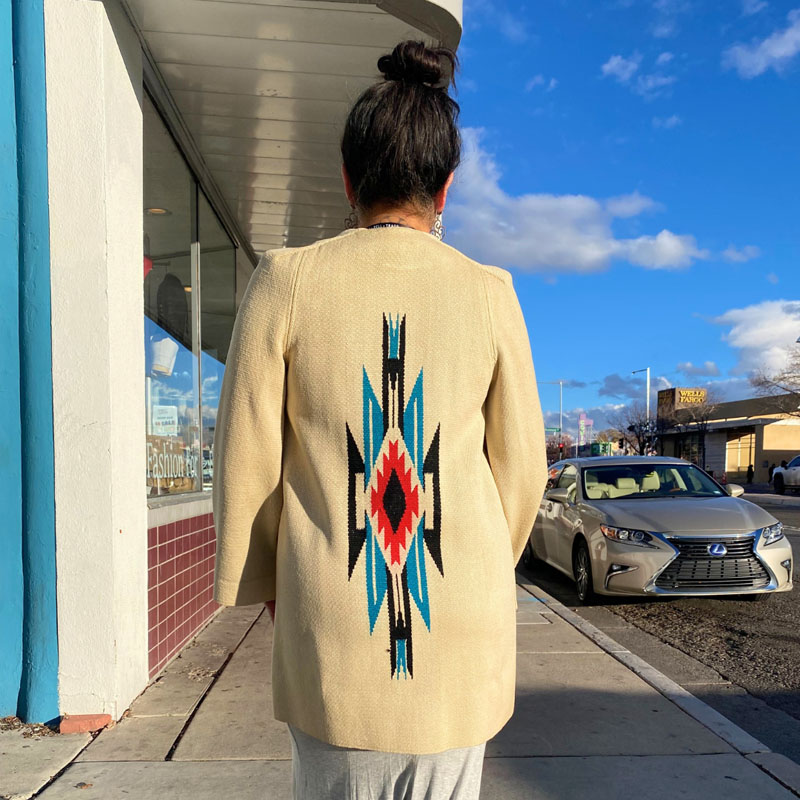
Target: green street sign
[{"x": 552, "y": 430}]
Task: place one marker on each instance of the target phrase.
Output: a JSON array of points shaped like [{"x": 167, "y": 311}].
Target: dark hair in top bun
[{"x": 401, "y": 139}]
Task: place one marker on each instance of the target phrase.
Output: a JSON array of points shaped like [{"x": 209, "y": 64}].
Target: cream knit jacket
[{"x": 379, "y": 462}]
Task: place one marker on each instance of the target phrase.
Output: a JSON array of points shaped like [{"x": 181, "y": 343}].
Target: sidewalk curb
[
  {"x": 777, "y": 766},
  {"x": 773, "y": 499}
]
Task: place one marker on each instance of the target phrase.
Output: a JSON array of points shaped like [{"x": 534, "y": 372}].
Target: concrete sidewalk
[{"x": 589, "y": 723}]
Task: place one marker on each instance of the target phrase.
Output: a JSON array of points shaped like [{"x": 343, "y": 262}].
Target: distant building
[{"x": 727, "y": 437}]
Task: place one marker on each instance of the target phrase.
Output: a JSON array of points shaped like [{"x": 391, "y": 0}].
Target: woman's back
[{"x": 404, "y": 365}]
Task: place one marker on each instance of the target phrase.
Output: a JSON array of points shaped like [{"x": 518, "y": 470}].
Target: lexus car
[{"x": 643, "y": 525}]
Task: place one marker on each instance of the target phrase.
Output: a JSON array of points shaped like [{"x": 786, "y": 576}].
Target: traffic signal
[{"x": 561, "y": 447}]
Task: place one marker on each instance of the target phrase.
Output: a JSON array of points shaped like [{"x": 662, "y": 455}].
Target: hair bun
[{"x": 414, "y": 62}]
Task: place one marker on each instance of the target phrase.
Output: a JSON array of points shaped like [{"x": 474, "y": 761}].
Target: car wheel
[
  {"x": 528, "y": 556},
  {"x": 582, "y": 570},
  {"x": 780, "y": 486}
]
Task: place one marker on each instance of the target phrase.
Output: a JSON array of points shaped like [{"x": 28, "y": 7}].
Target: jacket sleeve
[
  {"x": 515, "y": 440},
  {"x": 248, "y": 440}
]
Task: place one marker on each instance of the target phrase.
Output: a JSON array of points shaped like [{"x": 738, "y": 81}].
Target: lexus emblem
[{"x": 717, "y": 549}]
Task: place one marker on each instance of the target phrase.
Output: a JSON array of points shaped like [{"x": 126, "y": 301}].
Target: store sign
[
  {"x": 690, "y": 397},
  {"x": 584, "y": 427},
  {"x": 165, "y": 420},
  {"x": 170, "y": 461},
  {"x": 671, "y": 400}
]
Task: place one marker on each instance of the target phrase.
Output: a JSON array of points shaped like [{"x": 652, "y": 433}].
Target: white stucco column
[{"x": 94, "y": 122}]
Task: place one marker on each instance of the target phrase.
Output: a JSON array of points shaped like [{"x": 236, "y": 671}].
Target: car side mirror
[
  {"x": 558, "y": 495},
  {"x": 734, "y": 490}
]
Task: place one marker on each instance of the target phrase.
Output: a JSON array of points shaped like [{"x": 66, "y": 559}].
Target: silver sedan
[{"x": 637, "y": 525}]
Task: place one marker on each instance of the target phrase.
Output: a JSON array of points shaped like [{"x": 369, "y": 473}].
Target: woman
[{"x": 379, "y": 463}]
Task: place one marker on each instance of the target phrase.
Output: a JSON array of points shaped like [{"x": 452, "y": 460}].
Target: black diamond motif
[{"x": 394, "y": 500}]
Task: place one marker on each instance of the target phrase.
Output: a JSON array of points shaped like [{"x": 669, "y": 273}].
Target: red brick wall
[{"x": 180, "y": 584}]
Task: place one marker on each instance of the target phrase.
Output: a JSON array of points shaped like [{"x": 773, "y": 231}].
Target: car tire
[
  {"x": 582, "y": 572},
  {"x": 780, "y": 486},
  {"x": 528, "y": 556}
]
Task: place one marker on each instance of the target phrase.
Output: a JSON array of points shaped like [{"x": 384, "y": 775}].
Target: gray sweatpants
[{"x": 323, "y": 771}]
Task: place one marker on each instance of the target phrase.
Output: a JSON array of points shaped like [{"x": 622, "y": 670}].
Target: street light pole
[
  {"x": 647, "y": 370},
  {"x": 647, "y": 439}
]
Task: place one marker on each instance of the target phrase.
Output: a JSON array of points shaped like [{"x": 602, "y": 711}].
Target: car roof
[{"x": 603, "y": 461}]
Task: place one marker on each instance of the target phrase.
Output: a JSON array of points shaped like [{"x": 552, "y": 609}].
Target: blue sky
[{"x": 635, "y": 164}]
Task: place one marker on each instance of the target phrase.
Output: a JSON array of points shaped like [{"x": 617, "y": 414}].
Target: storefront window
[
  {"x": 189, "y": 306},
  {"x": 217, "y": 312}
]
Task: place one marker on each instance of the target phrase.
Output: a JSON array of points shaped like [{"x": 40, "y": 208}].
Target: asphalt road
[{"x": 754, "y": 645}]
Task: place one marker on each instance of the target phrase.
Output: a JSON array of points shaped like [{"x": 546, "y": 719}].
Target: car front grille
[{"x": 695, "y": 569}]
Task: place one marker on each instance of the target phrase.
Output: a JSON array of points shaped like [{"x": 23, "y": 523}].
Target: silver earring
[
  {"x": 351, "y": 220},
  {"x": 438, "y": 227}
]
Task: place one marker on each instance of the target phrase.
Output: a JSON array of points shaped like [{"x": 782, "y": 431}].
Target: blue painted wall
[
  {"x": 38, "y": 687},
  {"x": 11, "y": 586}
]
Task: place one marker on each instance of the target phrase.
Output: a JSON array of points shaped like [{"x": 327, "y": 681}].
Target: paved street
[{"x": 740, "y": 656}]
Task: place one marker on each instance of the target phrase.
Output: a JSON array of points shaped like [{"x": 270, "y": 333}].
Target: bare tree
[
  {"x": 608, "y": 435},
  {"x": 552, "y": 449},
  {"x": 783, "y": 385},
  {"x": 695, "y": 418},
  {"x": 632, "y": 424}
]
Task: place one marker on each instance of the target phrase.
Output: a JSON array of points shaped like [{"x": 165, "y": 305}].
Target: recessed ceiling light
[
  {"x": 187, "y": 288},
  {"x": 158, "y": 212}
]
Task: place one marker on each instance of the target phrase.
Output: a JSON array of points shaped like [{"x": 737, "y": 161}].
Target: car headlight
[
  {"x": 627, "y": 535},
  {"x": 772, "y": 533}
]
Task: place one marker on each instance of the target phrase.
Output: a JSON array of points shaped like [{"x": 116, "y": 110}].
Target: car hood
[{"x": 685, "y": 514}]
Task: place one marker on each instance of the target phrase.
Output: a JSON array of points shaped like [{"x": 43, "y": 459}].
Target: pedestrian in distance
[
  {"x": 750, "y": 473},
  {"x": 380, "y": 460},
  {"x": 771, "y": 470}
]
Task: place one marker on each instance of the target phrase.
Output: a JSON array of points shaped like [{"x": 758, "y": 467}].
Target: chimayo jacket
[{"x": 379, "y": 462}]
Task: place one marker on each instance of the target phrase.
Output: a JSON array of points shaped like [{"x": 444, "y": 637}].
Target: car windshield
[{"x": 642, "y": 481}]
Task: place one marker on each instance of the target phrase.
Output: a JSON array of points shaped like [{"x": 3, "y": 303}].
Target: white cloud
[
  {"x": 750, "y": 7},
  {"x": 623, "y": 70},
  {"x": 763, "y": 334},
  {"x": 536, "y": 80},
  {"x": 540, "y": 80},
  {"x": 664, "y": 58},
  {"x": 598, "y": 414},
  {"x": 534, "y": 232},
  {"x": 667, "y": 11},
  {"x": 773, "y": 52},
  {"x": 664, "y": 29},
  {"x": 772, "y": 277},
  {"x": 707, "y": 368},
  {"x": 667, "y": 250},
  {"x": 652, "y": 85},
  {"x": 496, "y": 14},
  {"x": 740, "y": 255},
  {"x": 620, "y": 68},
  {"x": 630, "y": 205},
  {"x": 667, "y": 122}
]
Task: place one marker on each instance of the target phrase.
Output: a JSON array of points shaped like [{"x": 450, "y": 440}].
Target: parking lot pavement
[{"x": 586, "y": 725}]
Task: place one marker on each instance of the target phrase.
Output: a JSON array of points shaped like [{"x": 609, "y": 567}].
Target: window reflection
[
  {"x": 173, "y": 431},
  {"x": 189, "y": 306},
  {"x": 217, "y": 312}
]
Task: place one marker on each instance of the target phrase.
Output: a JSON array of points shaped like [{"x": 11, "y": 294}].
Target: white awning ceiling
[{"x": 263, "y": 88}]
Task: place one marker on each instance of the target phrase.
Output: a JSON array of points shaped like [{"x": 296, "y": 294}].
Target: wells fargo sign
[
  {"x": 690, "y": 397},
  {"x": 670, "y": 400}
]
